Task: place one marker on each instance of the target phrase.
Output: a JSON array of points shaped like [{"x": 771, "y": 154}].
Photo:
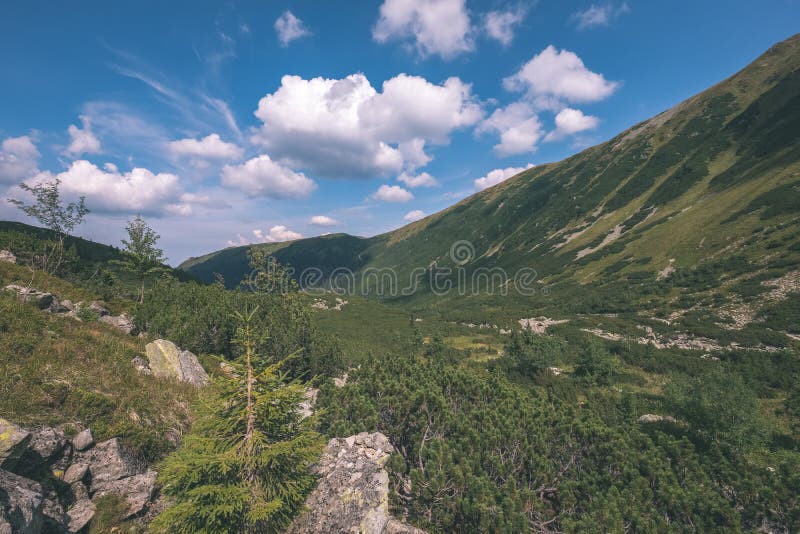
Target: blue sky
[{"x": 242, "y": 122}]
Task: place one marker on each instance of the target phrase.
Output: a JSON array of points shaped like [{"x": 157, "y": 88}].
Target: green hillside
[{"x": 714, "y": 178}]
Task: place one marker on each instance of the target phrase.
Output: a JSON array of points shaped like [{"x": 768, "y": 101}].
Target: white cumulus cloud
[
  {"x": 519, "y": 128},
  {"x": 392, "y": 193},
  {"x": 208, "y": 147},
  {"x": 290, "y": 28},
  {"x": 571, "y": 121},
  {"x": 323, "y": 220},
  {"x": 560, "y": 75},
  {"x": 277, "y": 233},
  {"x": 82, "y": 140},
  {"x": 346, "y": 128},
  {"x": 260, "y": 176},
  {"x": 422, "y": 179},
  {"x": 19, "y": 159},
  {"x": 414, "y": 215},
  {"x": 433, "y": 27},
  {"x": 500, "y": 25},
  {"x": 496, "y": 176},
  {"x": 136, "y": 191}
]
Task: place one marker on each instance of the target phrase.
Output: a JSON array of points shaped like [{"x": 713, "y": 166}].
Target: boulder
[
  {"x": 76, "y": 473},
  {"x": 108, "y": 462},
  {"x": 121, "y": 322},
  {"x": 353, "y": 491},
  {"x": 54, "y": 518},
  {"x": 166, "y": 360},
  {"x": 98, "y": 308},
  {"x": 80, "y": 515},
  {"x": 83, "y": 440},
  {"x": 48, "y": 449},
  {"x": 40, "y": 299},
  {"x": 47, "y": 443},
  {"x": 13, "y": 443},
  {"x": 137, "y": 490},
  {"x": 7, "y": 257},
  {"x": 21, "y": 504}
]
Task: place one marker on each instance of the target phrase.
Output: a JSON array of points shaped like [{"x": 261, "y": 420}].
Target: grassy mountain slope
[{"x": 715, "y": 174}]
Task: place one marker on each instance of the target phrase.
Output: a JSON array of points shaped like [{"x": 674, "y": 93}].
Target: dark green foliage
[
  {"x": 781, "y": 200},
  {"x": 595, "y": 364},
  {"x": 200, "y": 318},
  {"x": 718, "y": 406},
  {"x": 245, "y": 467},
  {"x": 88, "y": 264},
  {"x": 480, "y": 454},
  {"x": 531, "y": 354},
  {"x": 784, "y": 315}
]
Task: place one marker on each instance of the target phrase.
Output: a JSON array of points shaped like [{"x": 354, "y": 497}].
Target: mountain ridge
[{"x": 659, "y": 194}]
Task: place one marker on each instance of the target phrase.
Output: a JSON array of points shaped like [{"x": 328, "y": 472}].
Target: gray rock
[
  {"x": 108, "y": 462},
  {"x": 13, "y": 443},
  {"x": 79, "y": 491},
  {"x": 340, "y": 381},
  {"x": 654, "y": 418},
  {"x": 137, "y": 490},
  {"x": 98, "y": 308},
  {"x": 7, "y": 257},
  {"x": 69, "y": 305},
  {"x": 121, "y": 322},
  {"x": 40, "y": 299},
  {"x": 76, "y": 473},
  {"x": 48, "y": 443},
  {"x": 306, "y": 408},
  {"x": 167, "y": 361},
  {"x": 83, "y": 440},
  {"x": 353, "y": 490},
  {"x": 21, "y": 504},
  {"x": 80, "y": 515},
  {"x": 54, "y": 517},
  {"x": 141, "y": 365}
]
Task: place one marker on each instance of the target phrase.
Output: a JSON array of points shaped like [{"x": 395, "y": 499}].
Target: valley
[{"x": 605, "y": 343}]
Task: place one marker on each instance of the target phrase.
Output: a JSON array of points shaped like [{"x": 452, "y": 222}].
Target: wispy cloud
[
  {"x": 598, "y": 15},
  {"x": 198, "y": 110}
]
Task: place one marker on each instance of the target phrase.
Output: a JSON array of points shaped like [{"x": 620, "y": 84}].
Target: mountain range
[{"x": 713, "y": 178}]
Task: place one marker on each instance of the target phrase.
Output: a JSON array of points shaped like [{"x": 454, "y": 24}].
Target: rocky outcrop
[
  {"x": 122, "y": 322},
  {"x": 40, "y": 299},
  {"x": 649, "y": 418},
  {"x": 21, "y": 505},
  {"x": 353, "y": 490},
  {"x": 539, "y": 325},
  {"x": 49, "y": 302},
  {"x": 13, "y": 443},
  {"x": 7, "y": 257},
  {"x": 83, "y": 471},
  {"x": 166, "y": 360}
]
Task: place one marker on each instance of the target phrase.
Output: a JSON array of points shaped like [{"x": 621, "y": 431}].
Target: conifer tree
[{"x": 245, "y": 466}]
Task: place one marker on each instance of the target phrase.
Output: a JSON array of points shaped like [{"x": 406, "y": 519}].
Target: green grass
[{"x": 55, "y": 370}]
